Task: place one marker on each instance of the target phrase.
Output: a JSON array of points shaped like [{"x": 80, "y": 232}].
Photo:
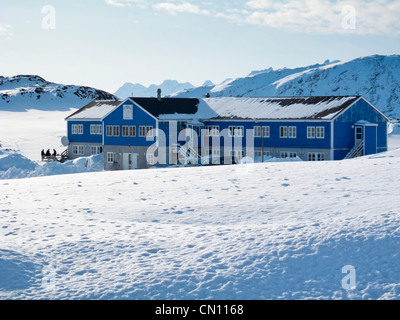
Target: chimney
[{"x": 159, "y": 94}]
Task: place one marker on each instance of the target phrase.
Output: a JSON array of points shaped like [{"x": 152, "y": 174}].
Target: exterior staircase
[
  {"x": 357, "y": 151},
  {"x": 188, "y": 154}
]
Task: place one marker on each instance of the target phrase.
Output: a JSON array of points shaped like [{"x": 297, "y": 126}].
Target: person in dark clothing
[
  {"x": 43, "y": 154},
  {"x": 54, "y": 152},
  {"x": 48, "y": 154}
]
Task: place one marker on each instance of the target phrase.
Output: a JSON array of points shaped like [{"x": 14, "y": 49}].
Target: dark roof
[{"x": 168, "y": 105}]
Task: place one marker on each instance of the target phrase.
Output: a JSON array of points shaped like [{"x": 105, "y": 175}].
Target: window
[
  {"x": 142, "y": 131},
  {"x": 207, "y": 131},
  {"x": 316, "y": 156},
  {"x": 265, "y": 132},
  {"x": 128, "y": 131},
  {"x": 320, "y": 132},
  {"x": 240, "y": 132},
  {"x": 259, "y": 154},
  {"x": 125, "y": 131},
  {"x": 292, "y": 132},
  {"x": 310, "y": 132},
  {"x": 257, "y": 132},
  {"x": 96, "y": 129},
  {"x": 77, "y": 129},
  {"x": 149, "y": 131},
  {"x": 77, "y": 150},
  {"x": 231, "y": 131},
  {"x": 215, "y": 131},
  {"x": 359, "y": 133},
  {"x": 236, "y": 131},
  {"x": 287, "y": 154},
  {"x": 150, "y": 159},
  {"x": 116, "y": 131},
  {"x": 283, "y": 132},
  {"x": 128, "y": 112},
  {"x": 110, "y": 157},
  {"x": 132, "y": 131},
  {"x": 96, "y": 150},
  {"x": 109, "y": 130}
]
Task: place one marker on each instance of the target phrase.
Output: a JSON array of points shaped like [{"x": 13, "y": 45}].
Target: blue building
[{"x": 140, "y": 132}]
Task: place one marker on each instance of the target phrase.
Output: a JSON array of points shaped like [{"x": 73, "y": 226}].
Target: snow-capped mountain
[
  {"x": 377, "y": 78},
  {"x": 33, "y": 92},
  {"x": 137, "y": 90}
]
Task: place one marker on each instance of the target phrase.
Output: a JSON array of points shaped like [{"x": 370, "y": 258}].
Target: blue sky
[{"x": 105, "y": 43}]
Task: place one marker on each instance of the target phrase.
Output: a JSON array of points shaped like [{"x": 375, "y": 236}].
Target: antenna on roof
[{"x": 159, "y": 94}]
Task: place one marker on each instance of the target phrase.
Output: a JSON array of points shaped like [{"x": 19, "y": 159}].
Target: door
[
  {"x": 359, "y": 134},
  {"x": 130, "y": 161}
]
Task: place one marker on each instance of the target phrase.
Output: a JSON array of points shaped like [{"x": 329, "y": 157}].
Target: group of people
[{"x": 48, "y": 154}]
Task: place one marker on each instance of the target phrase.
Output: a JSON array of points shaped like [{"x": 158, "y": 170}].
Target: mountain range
[
  {"x": 377, "y": 78},
  {"x": 168, "y": 87}
]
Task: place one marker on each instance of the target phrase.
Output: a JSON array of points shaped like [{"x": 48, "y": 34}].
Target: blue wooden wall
[{"x": 344, "y": 137}]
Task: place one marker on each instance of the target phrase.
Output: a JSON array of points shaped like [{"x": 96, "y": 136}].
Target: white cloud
[
  {"x": 327, "y": 16},
  {"x": 310, "y": 16},
  {"x": 5, "y": 31},
  {"x": 124, "y": 3},
  {"x": 184, "y": 7}
]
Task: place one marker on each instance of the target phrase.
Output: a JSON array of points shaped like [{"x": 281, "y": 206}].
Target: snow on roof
[
  {"x": 285, "y": 108},
  {"x": 323, "y": 108},
  {"x": 95, "y": 110}
]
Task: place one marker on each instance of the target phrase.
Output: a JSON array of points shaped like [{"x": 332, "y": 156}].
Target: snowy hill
[
  {"x": 23, "y": 92},
  {"x": 137, "y": 90},
  {"x": 377, "y": 78}
]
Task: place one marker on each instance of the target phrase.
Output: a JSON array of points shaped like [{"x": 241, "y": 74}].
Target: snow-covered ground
[
  {"x": 264, "y": 231},
  {"x": 278, "y": 230}
]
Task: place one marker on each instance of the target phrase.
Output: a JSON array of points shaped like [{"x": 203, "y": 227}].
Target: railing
[
  {"x": 189, "y": 155},
  {"x": 58, "y": 157},
  {"x": 357, "y": 151}
]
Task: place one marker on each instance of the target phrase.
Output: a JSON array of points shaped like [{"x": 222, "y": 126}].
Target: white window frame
[
  {"x": 231, "y": 131},
  {"x": 257, "y": 132},
  {"x": 207, "y": 131},
  {"x": 74, "y": 129},
  {"x": 215, "y": 131},
  {"x": 292, "y": 132},
  {"x": 316, "y": 156},
  {"x": 320, "y": 132},
  {"x": 284, "y": 154},
  {"x": 110, "y": 157},
  {"x": 310, "y": 132},
  {"x": 99, "y": 129},
  {"x": 283, "y": 132},
  {"x": 96, "y": 150},
  {"x": 266, "y": 131},
  {"x": 93, "y": 129},
  {"x": 80, "y": 128},
  {"x": 239, "y": 131},
  {"x": 125, "y": 131},
  {"x": 78, "y": 150},
  {"x": 149, "y": 131}
]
